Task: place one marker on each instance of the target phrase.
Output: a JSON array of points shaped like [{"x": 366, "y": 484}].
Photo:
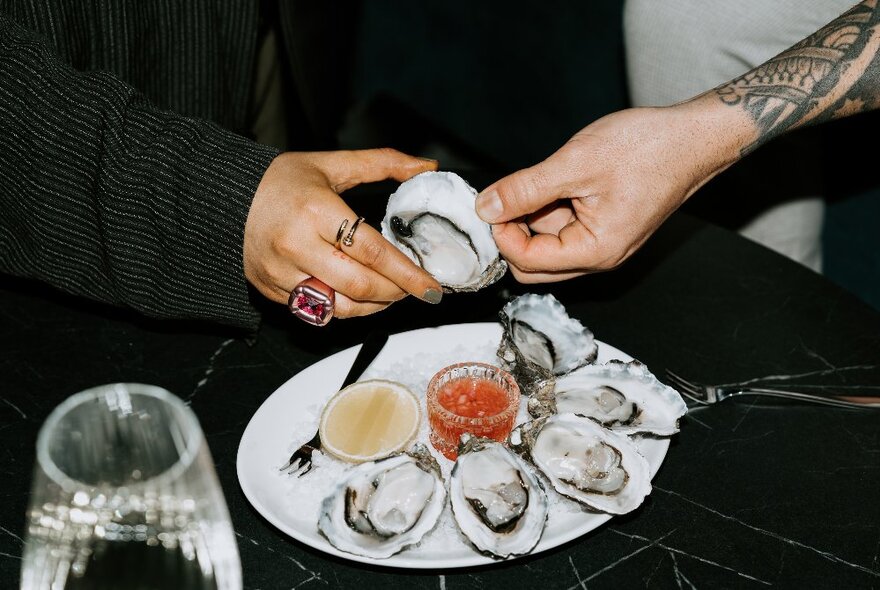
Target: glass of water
[{"x": 125, "y": 495}]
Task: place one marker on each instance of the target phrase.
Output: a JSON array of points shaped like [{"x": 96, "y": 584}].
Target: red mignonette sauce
[{"x": 470, "y": 397}]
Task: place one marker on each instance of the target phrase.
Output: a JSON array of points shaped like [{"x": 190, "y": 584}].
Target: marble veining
[
  {"x": 692, "y": 418},
  {"x": 832, "y": 370},
  {"x": 748, "y": 405},
  {"x": 209, "y": 369},
  {"x": 615, "y": 563},
  {"x": 824, "y": 554},
  {"x": 11, "y": 534},
  {"x": 734, "y": 441},
  {"x": 814, "y": 354},
  {"x": 577, "y": 574},
  {"x": 679, "y": 575},
  {"x": 14, "y": 407},
  {"x": 313, "y": 576},
  {"x": 686, "y": 554}
]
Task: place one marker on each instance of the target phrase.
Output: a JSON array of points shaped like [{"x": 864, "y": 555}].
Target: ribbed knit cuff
[{"x": 209, "y": 245}]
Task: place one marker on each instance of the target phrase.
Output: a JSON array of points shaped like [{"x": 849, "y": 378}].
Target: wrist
[{"x": 721, "y": 134}]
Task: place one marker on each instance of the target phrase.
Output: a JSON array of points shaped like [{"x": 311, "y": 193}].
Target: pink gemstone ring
[{"x": 312, "y": 301}]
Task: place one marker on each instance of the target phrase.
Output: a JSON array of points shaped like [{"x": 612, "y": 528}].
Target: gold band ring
[
  {"x": 349, "y": 239},
  {"x": 341, "y": 231}
]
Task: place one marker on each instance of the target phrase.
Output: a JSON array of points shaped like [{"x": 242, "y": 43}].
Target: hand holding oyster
[{"x": 431, "y": 218}]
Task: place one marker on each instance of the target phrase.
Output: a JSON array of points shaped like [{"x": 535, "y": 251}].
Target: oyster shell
[
  {"x": 431, "y": 218},
  {"x": 625, "y": 397},
  {"x": 586, "y": 462},
  {"x": 541, "y": 341},
  {"x": 384, "y": 506},
  {"x": 497, "y": 501}
]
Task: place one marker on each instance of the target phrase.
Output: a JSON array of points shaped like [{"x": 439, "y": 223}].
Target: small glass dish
[{"x": 478, "y": 398}]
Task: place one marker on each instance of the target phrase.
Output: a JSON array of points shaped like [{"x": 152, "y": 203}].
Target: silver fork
[
  {"x": 300, "y": 462},
  {"x": 710, "y": 394}
]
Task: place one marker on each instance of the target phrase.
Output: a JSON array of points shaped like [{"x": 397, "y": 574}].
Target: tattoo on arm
[{"x": 833, "y": 73}]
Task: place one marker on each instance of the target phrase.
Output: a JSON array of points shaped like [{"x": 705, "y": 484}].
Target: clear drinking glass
[{"x": 125, "y": 495}]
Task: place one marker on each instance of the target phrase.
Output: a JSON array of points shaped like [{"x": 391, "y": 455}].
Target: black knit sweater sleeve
[{"x": 103, "y": 195}]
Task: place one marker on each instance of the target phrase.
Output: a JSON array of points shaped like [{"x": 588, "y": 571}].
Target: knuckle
[
  {"x": 570, "y": 154},
  {"x": 619, "y": 259},
  {"x": 269, "y": 289},
  {"x": 360, "y": 288},
  {"x": 614, "y": 263},
  {"x": 416, "y": 280},
  {"x": 343, "y": 310},
  {"x": 314, "y": 209},
  {"x": 372, "y": 254},
  {"x": 522, "y": 188},
  {"x": 522, "y": 276},
  {"x": 274, "y": 276},
  {"x": 285, "y": 247},
  {"x": 512, "y": 191},
  {"x": 613, "y": 260},
  {"x": 387, "y": 152},
  {"x": 528, "y": 267},
  {"x": 384, "y": 156}
]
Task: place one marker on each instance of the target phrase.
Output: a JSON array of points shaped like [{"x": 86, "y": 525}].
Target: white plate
[{"x": 289, "y": 418}]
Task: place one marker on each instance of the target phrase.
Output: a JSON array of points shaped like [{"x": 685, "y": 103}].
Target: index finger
[
  {"x": 369, "y": 247},
  {"x": 347, "y": 169},
  {"x": 575, "y": 249}
]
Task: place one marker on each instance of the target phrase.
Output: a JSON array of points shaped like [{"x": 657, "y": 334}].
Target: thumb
[{"x": 520, "y": 193}]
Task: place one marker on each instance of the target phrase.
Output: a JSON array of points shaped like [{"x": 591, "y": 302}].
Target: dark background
[{"x": 497, "y": 86}]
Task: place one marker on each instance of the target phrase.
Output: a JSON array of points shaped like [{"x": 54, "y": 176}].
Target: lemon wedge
[{"x": 369, "y": 420}]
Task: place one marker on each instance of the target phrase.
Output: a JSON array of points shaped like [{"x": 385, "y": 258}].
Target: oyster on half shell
[
  {"x": 586, "y": 462},
  {"x": 625, "y": 397},
  {"x": 541, "y": 341},
  {"x": 432, "y": 219},
  {"x": 384, "y": 506},
  {"x": 497, "y": 501}
]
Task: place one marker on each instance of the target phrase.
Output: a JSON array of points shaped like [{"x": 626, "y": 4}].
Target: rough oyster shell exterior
[{"x": 541, "y": 341}]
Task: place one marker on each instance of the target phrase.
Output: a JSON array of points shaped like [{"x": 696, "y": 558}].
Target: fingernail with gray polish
[{"x": 432, "y": 295}]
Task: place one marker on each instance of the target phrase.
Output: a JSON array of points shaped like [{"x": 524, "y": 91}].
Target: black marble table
[{"x": 750, "y": 495}]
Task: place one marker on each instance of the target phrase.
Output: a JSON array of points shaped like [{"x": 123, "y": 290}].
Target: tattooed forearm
[{"x": 833, "y": 73}]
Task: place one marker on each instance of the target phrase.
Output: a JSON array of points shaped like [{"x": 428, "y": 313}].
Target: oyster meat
[
  {"x": 431, "y": 218},
  {"x": 625, "y": 397},
  {"x": 384, "y": 506},
  {"x": 586, "y": 462},
  {"x": 541, "y": 340},
  {"x": 496, "y": 500}
]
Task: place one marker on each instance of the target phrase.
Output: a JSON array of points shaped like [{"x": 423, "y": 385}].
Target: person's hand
[
  {"x": 595, "y": 201},
  {"x": 291, "y": 229}
]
